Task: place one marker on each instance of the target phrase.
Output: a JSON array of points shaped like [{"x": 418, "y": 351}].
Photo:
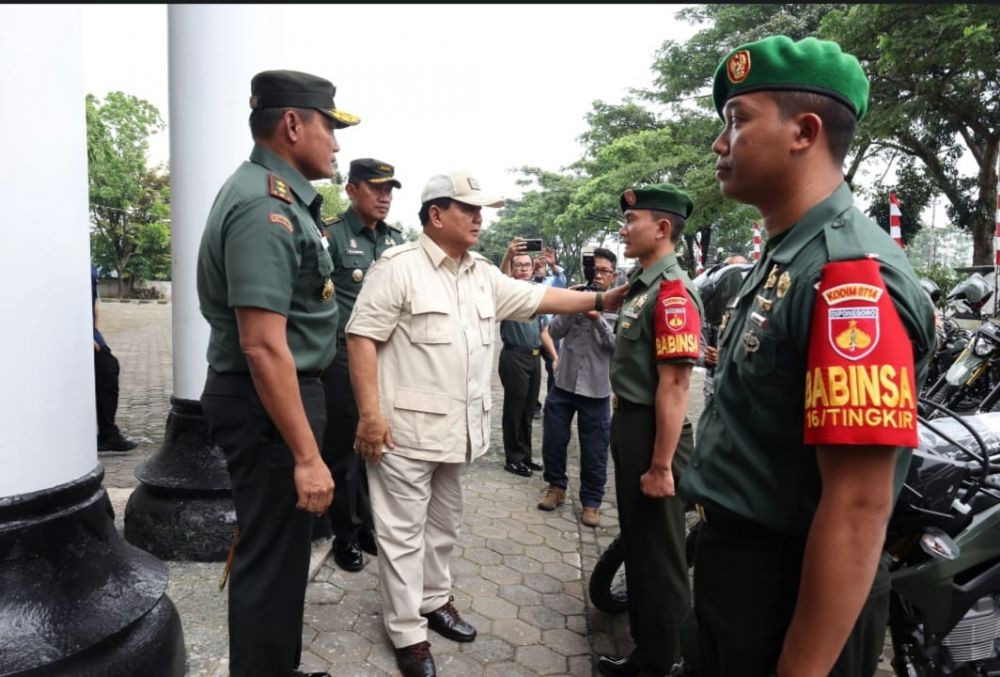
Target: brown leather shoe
[
  {"x": 591, "y": 517},
  {"x": 554, "y": 496},
  {"x": 416, "y": 660},
  {"x": 447, "y": 622}
]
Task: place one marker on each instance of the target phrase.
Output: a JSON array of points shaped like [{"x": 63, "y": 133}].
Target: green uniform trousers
[
  {"x": 653, "y": 532},
  {"x": 746, "y": 582}
]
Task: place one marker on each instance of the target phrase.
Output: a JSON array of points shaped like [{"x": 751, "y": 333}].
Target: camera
[
  {"x": 533, "y": 244},
  {"x": 587, "y": 265}
]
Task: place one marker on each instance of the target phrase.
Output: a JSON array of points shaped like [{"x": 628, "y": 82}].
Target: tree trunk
[{"x": 984, "y": 225}]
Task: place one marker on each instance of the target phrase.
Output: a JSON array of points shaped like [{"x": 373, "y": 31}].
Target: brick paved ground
[{"x": 520, "y": 575}]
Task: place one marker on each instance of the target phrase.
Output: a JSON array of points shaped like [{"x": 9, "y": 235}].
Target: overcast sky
[{"x": 488, "y": 88}]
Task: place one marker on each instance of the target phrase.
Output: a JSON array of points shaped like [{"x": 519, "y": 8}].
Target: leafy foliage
[{"x": 129, "y": 203}]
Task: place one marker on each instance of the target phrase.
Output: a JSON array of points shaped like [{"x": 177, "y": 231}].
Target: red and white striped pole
[
  {"x": 699, "y": 257},
  {"x": 756, "y": 242},
  {"x": 895, "y": 219}
]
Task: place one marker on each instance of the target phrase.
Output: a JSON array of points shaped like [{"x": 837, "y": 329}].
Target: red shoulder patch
[
  {"x": 860, "y": 383},
  {"x": 279, "y": 188},
  {"x": 676, "y": 324}
]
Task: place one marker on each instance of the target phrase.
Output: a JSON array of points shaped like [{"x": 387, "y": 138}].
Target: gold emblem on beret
[
  {"x": 738, "y": 66},
  {"x": 629, "y": 197},
  {"x": 772, "y": 277},
  {"x": 784, "y": 282},
  {"x": 357, "y": 275},
  {"x": 327, "y": 293}
]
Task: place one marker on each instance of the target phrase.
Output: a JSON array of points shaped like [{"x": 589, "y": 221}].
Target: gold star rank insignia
[{"x": 279, "y": 188}]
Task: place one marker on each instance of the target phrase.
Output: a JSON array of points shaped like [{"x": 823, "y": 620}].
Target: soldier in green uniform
[
  {"x": 658, "y": 343},
  {"x": 264, "y": 286},
  {"x": 357, "y": 238},
  {"x": 804, "y": 447}
]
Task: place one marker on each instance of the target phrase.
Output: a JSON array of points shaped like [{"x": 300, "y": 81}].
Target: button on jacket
[{"x": 436, "y": 322}]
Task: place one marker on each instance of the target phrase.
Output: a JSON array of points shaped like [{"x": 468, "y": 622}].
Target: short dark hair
[
  {"x": 838, "y": 120},
  {"x": 263, "y": 121},
  {"x": 603, "y": 253},
  {"x": 677, "y": 223},
  {"x": 425, "y": 208}
]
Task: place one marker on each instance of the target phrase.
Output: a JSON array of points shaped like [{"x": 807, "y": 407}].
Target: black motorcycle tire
[
  {"x": 607, "y": 589},
  {"x": 606, "y": 594}
]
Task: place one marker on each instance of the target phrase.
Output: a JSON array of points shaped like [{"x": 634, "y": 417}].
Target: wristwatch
[{"x": 599, "y": 302}]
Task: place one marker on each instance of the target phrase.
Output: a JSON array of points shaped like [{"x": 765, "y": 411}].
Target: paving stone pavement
[{"x": 520, "y": 574}]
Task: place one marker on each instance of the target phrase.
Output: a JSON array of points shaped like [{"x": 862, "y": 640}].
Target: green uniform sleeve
[{"x": 262, "y": 256}]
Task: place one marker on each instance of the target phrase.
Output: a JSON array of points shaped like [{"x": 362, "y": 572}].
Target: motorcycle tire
[{"x": 607, "y": 588}]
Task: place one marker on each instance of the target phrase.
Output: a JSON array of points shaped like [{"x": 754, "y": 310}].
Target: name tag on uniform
[
  {"x": 325, "y": 242},
  {"x": 631, "y": 313},
  {"x": 355, "y": 252}
]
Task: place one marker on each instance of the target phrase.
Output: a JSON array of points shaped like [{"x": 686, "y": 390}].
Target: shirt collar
[
  {"x": 438, "y": 256},
  {"x": 300, "y": 186},
  {"x": 353, "y": 220},
  {"x": 649, "y": 275},
  {"x": 812, "y": 224}
]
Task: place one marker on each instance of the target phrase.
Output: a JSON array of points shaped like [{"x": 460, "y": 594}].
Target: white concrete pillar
[
  {"x": 47, "y": 389},
  {"x": 214, "y": 52}
]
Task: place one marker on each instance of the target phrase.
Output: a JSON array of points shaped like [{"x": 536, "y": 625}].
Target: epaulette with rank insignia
[
  {"x": 279, "y": 188},
  {"x": 330, "y": 220}
]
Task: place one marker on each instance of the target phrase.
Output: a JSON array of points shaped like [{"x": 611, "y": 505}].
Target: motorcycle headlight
[{"x": 983, "y": 348}]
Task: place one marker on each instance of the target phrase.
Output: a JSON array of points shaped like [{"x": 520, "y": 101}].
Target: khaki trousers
[{"x": 417, "y": 509}]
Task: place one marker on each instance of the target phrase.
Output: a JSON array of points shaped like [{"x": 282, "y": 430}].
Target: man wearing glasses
[
  {"x": 582, "y": 388},
  {"x": 521, "y": 372}
]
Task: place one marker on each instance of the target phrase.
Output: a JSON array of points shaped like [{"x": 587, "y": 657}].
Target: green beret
[
  {"x": 779, "y": 64},
  {"x": 660, "y": 196},
  {"x": 373, "y": 171},
  {"x": 294, "y": 89}
]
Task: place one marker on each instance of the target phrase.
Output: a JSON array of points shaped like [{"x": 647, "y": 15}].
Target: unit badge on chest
[{"x": 327, "y": 292}]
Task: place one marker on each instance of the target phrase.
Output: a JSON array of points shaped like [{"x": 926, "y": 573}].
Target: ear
[
  {"x": 291, "y": 125},
  {"x": 351, "y": 190},
  {"x": 664, "y": 228},
  {"x": 808, "y": 129},
  {"x": 434, "y": 216}
]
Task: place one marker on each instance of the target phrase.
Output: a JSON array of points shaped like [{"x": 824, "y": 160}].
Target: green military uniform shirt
[
  {"x": 633, "y": 367},
  {"x": 750, "y": 460},
  {"x": 521, "y": 334},
  {"x": 263, "y": 247},
  {"x": 354, "y": 248}
]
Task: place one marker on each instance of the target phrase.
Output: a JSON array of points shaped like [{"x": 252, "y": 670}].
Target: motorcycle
[
  {"x": 942, "y": 548},
  {"x": 971, "y": 382},
  {"x": 943, "y": 552}
]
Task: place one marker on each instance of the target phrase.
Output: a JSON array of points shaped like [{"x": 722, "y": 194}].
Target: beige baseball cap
[{"x": 461, "y": 186}]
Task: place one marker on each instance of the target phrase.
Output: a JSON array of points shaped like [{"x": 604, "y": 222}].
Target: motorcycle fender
[
  {"x": 930, "y": 586},
  {"x": 965, "y": 370}
]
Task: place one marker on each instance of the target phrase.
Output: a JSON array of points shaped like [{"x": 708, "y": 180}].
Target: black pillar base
[
  {"x": 183, "y": 506},
  {"x": 77, "y": 599}
]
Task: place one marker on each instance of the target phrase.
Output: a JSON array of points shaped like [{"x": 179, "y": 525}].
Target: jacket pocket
[
  {"x": 431, "y": 322},
  {"x": 420, "y": 419}
]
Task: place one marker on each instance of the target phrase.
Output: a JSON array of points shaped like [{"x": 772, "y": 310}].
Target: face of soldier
[
  {"x": 316, "y": 147},
  {"x": 754, "y": 149},
  {"x": 520, "y": 267},
  {"x": 640, "y": 233},
  {"x": 370, "y": 200}
]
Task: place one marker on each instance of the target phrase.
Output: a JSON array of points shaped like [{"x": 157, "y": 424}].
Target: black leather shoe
[
  {"x": 447, "y": 622},
  {"x": 518, "y": 469},
  {"x": 116, "y": 443},
  {"x": 366, "y": 539},
  {"x": 416, "y": 660},
  {"x": 617, "y": 666},
  {"x": 347, "y": 555},
  {"x": 535, "y": 466}
]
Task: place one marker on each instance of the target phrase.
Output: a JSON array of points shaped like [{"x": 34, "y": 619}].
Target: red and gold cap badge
[{"x": 738, "y": 66}]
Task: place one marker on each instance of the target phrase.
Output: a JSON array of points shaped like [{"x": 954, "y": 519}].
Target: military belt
[
  {"x": 740, "y": 528},
  {"x": 519, "y": 349},
  {"x": 623, "y": 405}
]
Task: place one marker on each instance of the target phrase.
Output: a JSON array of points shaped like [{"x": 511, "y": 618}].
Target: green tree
[
  {"x": 914, "y": 195},
  {"x": 129, "y": 203},
  {"x": 335, "y": 201}
]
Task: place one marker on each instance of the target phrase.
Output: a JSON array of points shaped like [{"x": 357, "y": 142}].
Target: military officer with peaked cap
[
  {"x": 657, "y": 344},
  {"x": 264, "y": 286},
  {"x": 805, "y": 445},
  {"x": 357, "y": 239}
]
